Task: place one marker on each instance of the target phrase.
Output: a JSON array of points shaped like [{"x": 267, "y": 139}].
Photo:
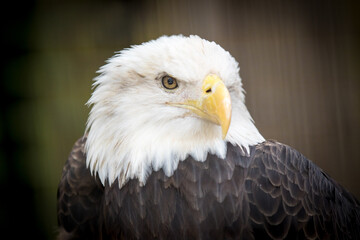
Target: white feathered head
[{"x": 157, "y": 103}]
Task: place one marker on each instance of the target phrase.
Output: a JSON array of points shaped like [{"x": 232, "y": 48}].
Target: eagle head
[{"x": 157, "y": 103}]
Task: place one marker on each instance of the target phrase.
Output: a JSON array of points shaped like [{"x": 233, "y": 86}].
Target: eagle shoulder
[
  {"x": 289, "y": 196},
  {"x": 79, "y": 196}
]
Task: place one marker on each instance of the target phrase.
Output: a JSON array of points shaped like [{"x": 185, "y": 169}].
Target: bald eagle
[{"x": 171, "y": 152}]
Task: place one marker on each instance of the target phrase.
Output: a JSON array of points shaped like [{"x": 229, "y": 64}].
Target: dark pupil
[{"x": 170, "y": 81}]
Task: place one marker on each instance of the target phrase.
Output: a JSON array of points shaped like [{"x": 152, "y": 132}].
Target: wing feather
[
  {"x": 314, "y": 204},
  {"x": 79, "y": 195}
]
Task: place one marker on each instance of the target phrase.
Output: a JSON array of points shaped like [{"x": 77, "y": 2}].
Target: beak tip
[
  {"x": 224, "y": 135},
  {"x": 224, "y": 130}
]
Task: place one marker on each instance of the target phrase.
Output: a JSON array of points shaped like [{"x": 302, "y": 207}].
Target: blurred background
[{"x": 300, "y": 65}]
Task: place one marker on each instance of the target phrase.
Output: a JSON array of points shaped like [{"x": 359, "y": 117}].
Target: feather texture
[{"x": 274, "y": 193}]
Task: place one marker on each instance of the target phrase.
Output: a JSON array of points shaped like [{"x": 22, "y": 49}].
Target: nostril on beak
[{"x": 208, "y": 90}]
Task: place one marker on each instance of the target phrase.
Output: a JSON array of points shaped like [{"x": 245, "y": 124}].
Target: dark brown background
[{"x": 299, "y": 63}]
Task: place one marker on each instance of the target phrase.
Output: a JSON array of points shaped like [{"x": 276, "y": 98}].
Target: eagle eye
[{"x": 169, "y": 82}]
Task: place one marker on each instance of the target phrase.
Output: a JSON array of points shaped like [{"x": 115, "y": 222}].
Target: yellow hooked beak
[{"x": 214, "y": 105}]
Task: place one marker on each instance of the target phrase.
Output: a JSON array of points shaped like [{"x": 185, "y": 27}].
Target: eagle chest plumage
[{"x": 274, "y": 193}]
